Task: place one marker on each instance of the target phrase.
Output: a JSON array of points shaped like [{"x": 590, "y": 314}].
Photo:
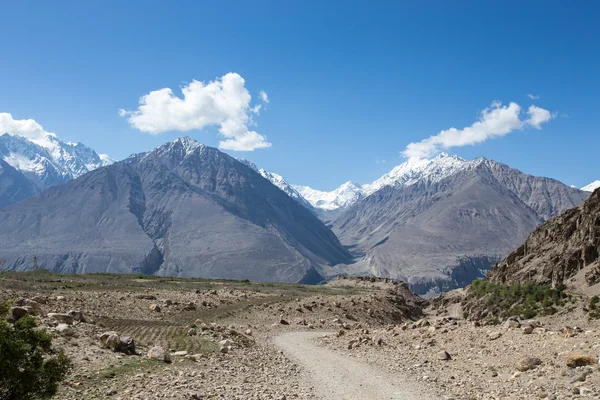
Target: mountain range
[
  {"x": 189, "y": 210},
  {"x": 43, "y": 163},
  {"x": 183, "y": 209}
]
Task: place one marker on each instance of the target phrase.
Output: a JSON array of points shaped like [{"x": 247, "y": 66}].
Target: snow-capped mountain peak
[
  {"x": 345, "y": 195},
  {"x": 49, "y": 161},
  {"x": 408, "y": 173},
  {"x": 591, "y": 187}
]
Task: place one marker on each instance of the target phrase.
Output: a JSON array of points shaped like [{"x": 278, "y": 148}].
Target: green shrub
[
  {"x": 527, "y": 300},
  {"x": 29, "y": 368}
]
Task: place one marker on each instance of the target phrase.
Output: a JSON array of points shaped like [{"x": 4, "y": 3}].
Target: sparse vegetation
[
  {"x": 29, "y": 367},
  {"x": 526, "y": 300},
  {"x": 594, "y": 308}
]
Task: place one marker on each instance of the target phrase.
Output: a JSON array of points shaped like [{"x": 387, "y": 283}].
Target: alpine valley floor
[{"x": 243, "y": 340}]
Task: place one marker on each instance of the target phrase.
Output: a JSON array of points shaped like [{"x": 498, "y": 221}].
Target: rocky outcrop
[{"x": 558, "y": 249}]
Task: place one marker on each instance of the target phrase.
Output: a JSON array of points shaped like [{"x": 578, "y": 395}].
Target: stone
[
  {"x": 283, "y": 322},
  {"x": 444, "y": 356},
  {"x": 77, "y": 316},
  {"x": 527, "y": 329},
  {"x": 61, "y": 318},
  {"x": 580, "y": 361},
  {"x": 512, "y": 323},
  {"x": 65, "y": 330},
  {"x": 527, "y": 363},
  {"x": 192, "y": 332},
  {"x": 494, "y": 335},
  {"x": 190, "y": 307},
  {"x": 32, "y": 307},
  {"x": 248, "y": 332},
  {"x": 159, "y": 353},
  {"x": 126, "y": 346},
  {"x": 155, "y": 307},
  {"x": 18, "y": 312}
]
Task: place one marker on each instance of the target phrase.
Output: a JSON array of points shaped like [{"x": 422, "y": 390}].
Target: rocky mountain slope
[
  {"x": 449, "y": 227},
  {"x": 557, "y": 250},
  {"x": 280, "y": 182},
  {"x": 14, "y": 186},
  {"x": 183, "y": 209},
  {"x": 49, "y": 162}
]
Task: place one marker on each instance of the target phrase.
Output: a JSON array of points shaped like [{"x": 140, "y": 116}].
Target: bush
[
  {"x": 29, "y": 368},
  {"x": 526, "y": 300}
]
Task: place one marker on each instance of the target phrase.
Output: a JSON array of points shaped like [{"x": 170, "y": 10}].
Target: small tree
[{"x": 29, "y": 367}]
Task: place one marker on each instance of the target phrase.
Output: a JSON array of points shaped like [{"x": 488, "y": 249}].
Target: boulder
[
  {"x": 580, "y": 361},
  {"x": 190, "y": 307},
  {"x": 494, "y": 335},
  {"x": 155, "y": 307},
  {"x": 283, "y": 322},
  {"x": 61, "y": 318},
  {"x": 528, "y": 363},
  {"x": 527, "y": 329},
  {"x": 18, "y": 312},
  {"x": 77, "y": 316},
  {"x": 444, "y": 356},
  {"x": 65, "y": 330},
  {"x": 121, "y": 344},
  {"x": 33, "y": 307},
  {"x": 159, "y": 353},
  {"x": 512, "y": 323}
]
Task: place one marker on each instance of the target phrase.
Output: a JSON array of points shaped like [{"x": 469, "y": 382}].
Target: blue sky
[{"x": 350, "y": 84}]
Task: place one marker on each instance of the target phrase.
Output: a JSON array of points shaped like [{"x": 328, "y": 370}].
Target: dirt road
[{"x": 338, "y": 377}]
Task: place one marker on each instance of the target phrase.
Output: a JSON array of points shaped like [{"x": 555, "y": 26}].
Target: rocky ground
[{"x": 141, "y": 338}]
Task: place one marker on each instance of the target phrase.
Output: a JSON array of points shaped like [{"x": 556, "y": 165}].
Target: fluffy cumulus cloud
[
  {"x": 224, "y": 102},
  {"x": 495, "y": 121},
  {"x": 28, "y": 128}
]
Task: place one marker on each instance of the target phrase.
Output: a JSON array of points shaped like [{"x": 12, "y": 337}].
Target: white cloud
[
  {"x": 264, "y": 97},
  {"x": 27, "y": 128},
  {"x": 224, "y": 102},
  {"x": 533, "y": 96},
  {"x": 538, "y": 116},
  {"x": 495, "y": 121}
]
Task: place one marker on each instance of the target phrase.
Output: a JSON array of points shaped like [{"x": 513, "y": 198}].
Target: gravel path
[{"x": 337, "y": 377}]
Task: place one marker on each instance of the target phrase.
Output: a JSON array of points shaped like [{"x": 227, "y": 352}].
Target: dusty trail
[{"x": 337, "y": 377}]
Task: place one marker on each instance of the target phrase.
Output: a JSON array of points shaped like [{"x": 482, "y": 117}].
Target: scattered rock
[
  {"x": 145, "y": 297},
  {"x": 192, "y": 332},
  {"x": 159, "y": 353},
  {"x": 527, "y": 363},
  {"x": 580, "y": 361},
  {"x": 61, "y": 318},
  {"x": 494, "y": 335},
  {"x": 527, "y": 329},
  {"x": 444, "y": 355},
  {"x": 283, "y": 322},
  {"x": 18, "y": 312},
  {"x": 155, "y": 307},
  {"x": 65, "y": 330}
]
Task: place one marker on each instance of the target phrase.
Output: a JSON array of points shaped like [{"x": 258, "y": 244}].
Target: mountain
[
  {"x": 564, "y": 247},
  {"x": 445, "y": 221},
  {"x": 591, "y": 187},
  {"x": 14, "y": 186},
  {"x": 280, "y": 182},
  {"x": 342, "y": 197},
  {"x": 183, "y": 209},
  {"x": 49, "y": 161},
  {"x": 408, "y": 173}
]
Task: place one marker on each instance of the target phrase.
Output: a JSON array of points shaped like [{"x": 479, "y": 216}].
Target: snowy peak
[
  {"x": 417, "y": 169},
  {"x": 408, "y": 173},
  {"x": 344, "y": 196},
  {"x": 591, "y": 187},
  {"x": 49, "y": 161}
]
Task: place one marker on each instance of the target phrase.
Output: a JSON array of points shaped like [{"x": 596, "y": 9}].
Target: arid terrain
[{"x": 350, "y": 339}]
